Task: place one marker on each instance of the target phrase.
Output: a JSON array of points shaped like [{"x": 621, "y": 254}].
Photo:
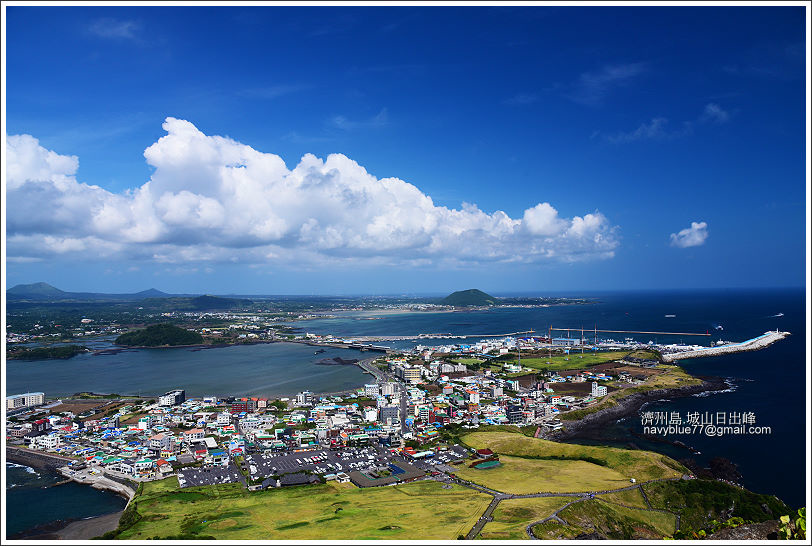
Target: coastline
[
  {"x": 631, "y": 404},
  {"x": 70, "y": 529},
  {"x": 74, "y": 529}
]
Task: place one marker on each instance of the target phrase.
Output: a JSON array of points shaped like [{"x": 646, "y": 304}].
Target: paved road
[
  {"x": 367, "y": 365},
  {"x": 499, "y": 496},
  {"x": 486, "y": 517}
]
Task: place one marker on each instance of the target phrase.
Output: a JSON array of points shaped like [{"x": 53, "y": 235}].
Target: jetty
[
  {"x": 767, "y": 338},
  {"x": 97, "y": 479}
]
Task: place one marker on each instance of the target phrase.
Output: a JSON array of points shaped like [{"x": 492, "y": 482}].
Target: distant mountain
[
  {"x": 41, "y": 291},
  {"x": 151, "y": 293},
  {"x": 38, "y": 290},
  {"x": 469, "y": 298}
]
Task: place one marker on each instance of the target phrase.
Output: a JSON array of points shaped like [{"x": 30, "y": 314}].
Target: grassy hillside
[
  {"x": 321, "y": 512},
  {"x": 512, "y": 516},
  {"x": 640, "y": 465}
]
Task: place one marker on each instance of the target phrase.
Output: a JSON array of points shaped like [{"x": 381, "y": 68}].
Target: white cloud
[
  {"x": 108, "y": 27},
  {"x": 212, "y": 199},
  {"x": 692, "y": 236},
  {"x": 658, "y": 129},
  {"x": 713, "y": 113},
  {"x": 592, "y": 87},
  {"x": 378, "y": 120},
  {"x": 654, "y": 129}
]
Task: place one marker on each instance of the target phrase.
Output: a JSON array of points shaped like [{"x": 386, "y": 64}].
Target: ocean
[
  {"x": 32, "y": 501},
  {"x": 769, "y": 383}
]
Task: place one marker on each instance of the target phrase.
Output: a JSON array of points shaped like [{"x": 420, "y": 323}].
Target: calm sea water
[
  {"x": 266, "y": 369},
  {"x": 770, "y": 383},
  {"x": 30, "y": 501}
]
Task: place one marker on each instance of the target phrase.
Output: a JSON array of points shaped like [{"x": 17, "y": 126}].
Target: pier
[{"x": 767, "y": 338}]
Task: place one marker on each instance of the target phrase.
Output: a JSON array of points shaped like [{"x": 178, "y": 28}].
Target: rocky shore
[
  {"x": 630, "y": 405},
  {"x": 337, "y": 361}
]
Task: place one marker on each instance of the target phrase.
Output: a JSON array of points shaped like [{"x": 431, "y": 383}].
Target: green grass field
[
  {"x": 640, "y": 465},
  {"x": 632, "y": 498},
  {"x": 421, "y": 510},
  {"x": 467, "y": 361},
  {"x": 512, "y": 516},
  {"x": 572, "y": 361},
  {"x": 522, "y": 476}
]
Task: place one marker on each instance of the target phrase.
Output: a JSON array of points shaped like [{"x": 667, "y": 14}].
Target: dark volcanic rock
[
  {"x": 337, "y": 361},
  {"x": 590, "y": 536},
  {"x": 766, "y": 530}
]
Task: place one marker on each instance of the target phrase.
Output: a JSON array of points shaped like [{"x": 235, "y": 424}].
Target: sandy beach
[{"x": 86, "y": 529}]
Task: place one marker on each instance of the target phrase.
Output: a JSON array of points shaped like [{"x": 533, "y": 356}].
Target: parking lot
[
  {"x": 319, "y": 461},
  {"x": 191, "y": 477}
]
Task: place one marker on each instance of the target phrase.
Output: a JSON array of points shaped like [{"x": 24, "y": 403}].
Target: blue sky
[{"x": 639, "y": 147}]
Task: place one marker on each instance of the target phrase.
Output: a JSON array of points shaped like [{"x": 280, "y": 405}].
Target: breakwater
[
  {"x": 36, "y": 459},
  {"x": 98, "y": 480},
  {"x": 768, "y": 338}
]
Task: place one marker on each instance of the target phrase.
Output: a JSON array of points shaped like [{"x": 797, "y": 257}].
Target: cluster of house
[{"x": 153, "y": 440}]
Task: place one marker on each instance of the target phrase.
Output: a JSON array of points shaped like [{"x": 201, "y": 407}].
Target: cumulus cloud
[
  {"x": 213, "y": 199},
  {"x": 692, "y": 236}
]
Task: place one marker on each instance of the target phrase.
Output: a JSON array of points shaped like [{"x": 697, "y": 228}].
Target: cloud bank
[
  {"x": 692, "y": 236},
  {"x": 212, "y": 199}
]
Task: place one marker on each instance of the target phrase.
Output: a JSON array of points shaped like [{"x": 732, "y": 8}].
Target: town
[{"x": 392, "y": 430}]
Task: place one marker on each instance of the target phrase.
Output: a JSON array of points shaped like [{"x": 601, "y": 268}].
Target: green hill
[
  {"x": 467, "y": 298},
  {"x": 159, "y": 335},
  {"x": 35, "y": 290}
]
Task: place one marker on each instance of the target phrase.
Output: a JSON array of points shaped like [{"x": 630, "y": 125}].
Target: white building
[
  {"x": 25, "y": 400},
  {"x": 304, "y": 398},
  {"x": 371, "y": 389},
  {"x": 172, "y": 398},
  {"x": 370, "y": 414},
  {"x": 598, "y": 390},
  {"x": 47, "y": 441},
  {"x": 388, "y": 389}
]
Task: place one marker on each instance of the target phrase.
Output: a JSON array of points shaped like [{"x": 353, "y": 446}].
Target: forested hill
[{"x": 159, "y": 335}]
